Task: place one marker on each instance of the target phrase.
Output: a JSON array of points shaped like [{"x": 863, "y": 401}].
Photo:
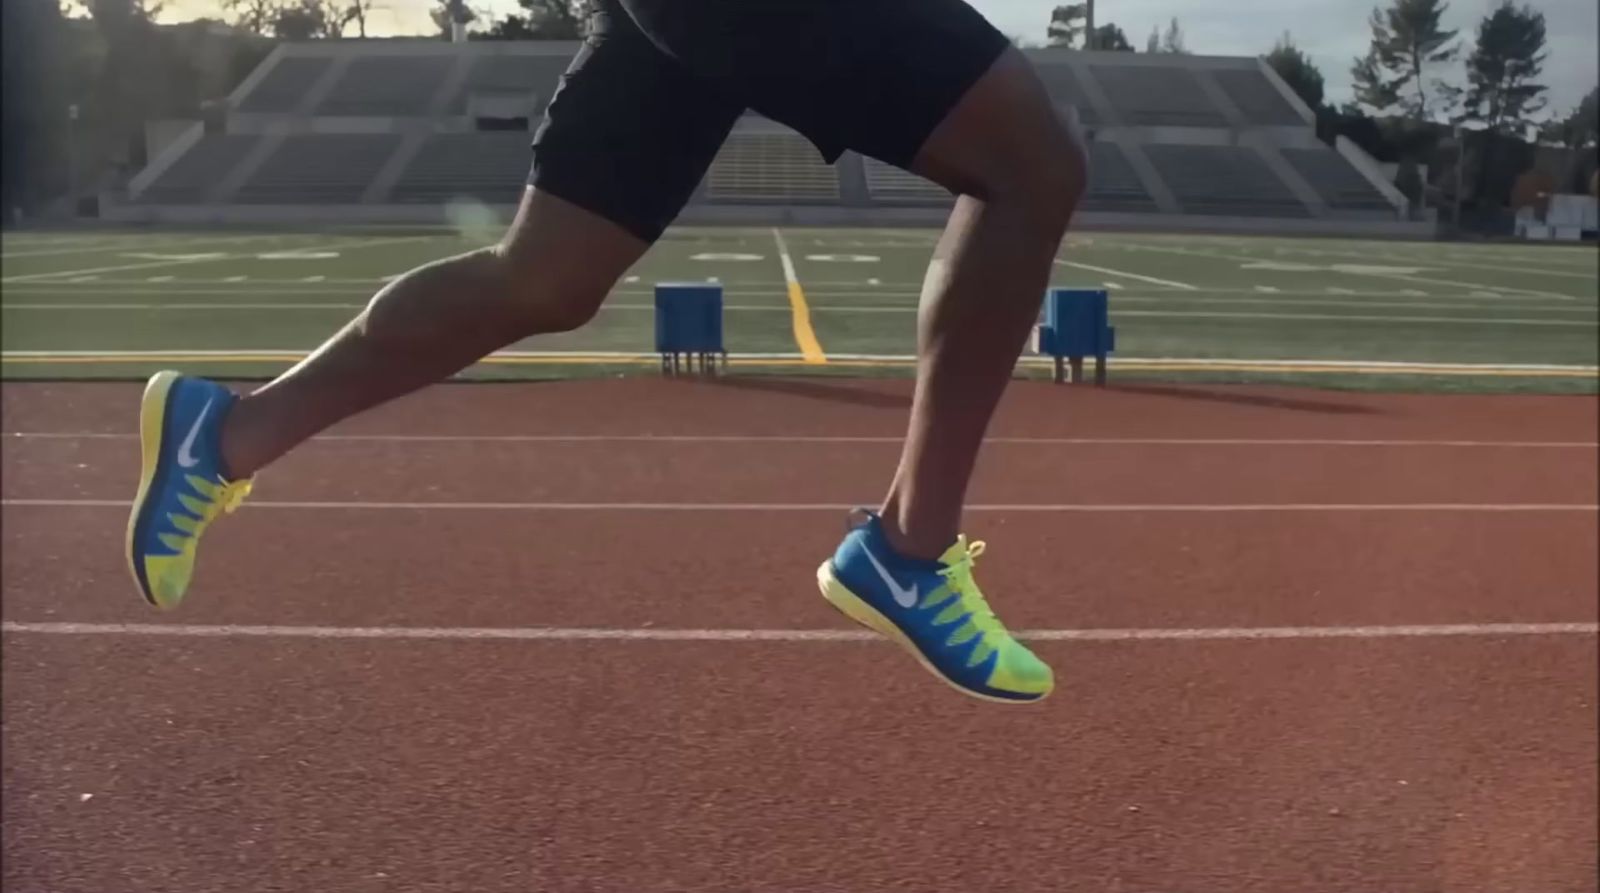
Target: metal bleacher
[
  {"x": 534, "y": 75},
  {"x": 396, "y": 126},
  {"x": 785, "y": 167},
  {"x": 1339, "y": 184},
  {"x": 1113, "y": 183},
  {"x": 198, "y": 170},
  {"x": 322, "y": 168},
  {"x": 386, "y": 86},
  {"x": 285, "y": 85},
  {"x": 891, "y": 185},
  {"x": 1149, "y": 95},
  {"x": 1257, "y": 98},
  {"x": 482, "y": 166},
  {"x": 1223, "y": 180}
]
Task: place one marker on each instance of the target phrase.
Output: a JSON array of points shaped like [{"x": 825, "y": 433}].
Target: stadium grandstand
[{"x": 402, "y": 130}]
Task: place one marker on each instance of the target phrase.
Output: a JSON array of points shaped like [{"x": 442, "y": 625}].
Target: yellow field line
[
  {"x": 804, "y": 336},
  {"x": 850, "y": 363}
]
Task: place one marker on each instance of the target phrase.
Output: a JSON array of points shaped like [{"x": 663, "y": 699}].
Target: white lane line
[
  {"x": 161, "y": 278},
  {"x": 1107, "y": 271},
  {"x": 863, "y": 439},
  {"x": 1041, "y": 508},
  {"x": 1112, "y": 286},
  {"x": 625, "y": 634},
  {"x": 1267, "y": 289}
]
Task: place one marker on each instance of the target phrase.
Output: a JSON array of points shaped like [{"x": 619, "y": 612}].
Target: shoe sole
[
  {"x": 854, "y": 607},
  {"x": 152, "y": 423}
]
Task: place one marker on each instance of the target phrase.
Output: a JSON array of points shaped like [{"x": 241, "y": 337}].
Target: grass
[{"x": 1250, "y": 300}]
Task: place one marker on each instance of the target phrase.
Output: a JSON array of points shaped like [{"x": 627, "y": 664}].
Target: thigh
[
  {"x": 631, "y": 131},
  {"x": 876, "y": 76}
]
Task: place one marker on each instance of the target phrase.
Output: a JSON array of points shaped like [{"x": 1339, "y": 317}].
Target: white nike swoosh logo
[
  {"x": 186, "y": 457},
  {"x": 905, "y": 597}
]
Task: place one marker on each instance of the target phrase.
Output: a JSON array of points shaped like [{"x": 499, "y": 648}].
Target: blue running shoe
[
  {"x": 182, "y": 488},
  {"x": 935, "y": 610}
]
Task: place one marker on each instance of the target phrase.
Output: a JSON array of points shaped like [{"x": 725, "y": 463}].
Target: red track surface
[{"x": 1387, "y": 764}]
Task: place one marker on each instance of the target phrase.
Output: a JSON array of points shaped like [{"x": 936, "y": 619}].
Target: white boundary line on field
[
  {"x": 218, "y": 256},
  {"x": 1213, "y": 255},
  {"x": 1181, "y": 286},
  {"x": 1035, "y": 508},
  {"x": 628, "y": 634},
  {"x": 867, "y": 439}
]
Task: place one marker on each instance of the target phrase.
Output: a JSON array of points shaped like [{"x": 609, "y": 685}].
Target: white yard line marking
[
  {"x": 188, "y": 261},
  {"x": 1042, "y": 508},
  {"x": 1341, "y": 317},
  {"x": 1183, "y": 286},
  {"x": 127, "y": 244},
  {"x": 181, "y": 306},
  {"x": 1246, "y": 259},
  {"x": 867, "y": 439},
  {"x": 1443, "y": 260},
  {"x": 637, "y": 634},
  {"x": 64, "y": 274}
]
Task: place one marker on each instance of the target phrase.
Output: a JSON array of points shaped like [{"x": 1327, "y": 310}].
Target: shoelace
[
  {"x": 958, "y": 577},
  {"x": 216, "y": 497}
]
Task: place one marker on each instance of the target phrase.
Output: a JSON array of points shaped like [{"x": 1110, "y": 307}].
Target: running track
[{"x": 562, "y": 732}]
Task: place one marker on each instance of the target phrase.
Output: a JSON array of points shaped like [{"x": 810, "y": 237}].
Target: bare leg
[
  {"x": 1019, "y": 172},
  {"x": 550, "y": 273}
]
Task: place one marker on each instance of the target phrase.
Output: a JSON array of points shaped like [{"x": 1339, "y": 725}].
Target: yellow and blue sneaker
[
  {"x": 182, "y": 486},
  {"x": 935, "y": 610}
]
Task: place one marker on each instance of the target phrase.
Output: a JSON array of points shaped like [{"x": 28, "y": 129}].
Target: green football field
[{"x": 246, "y": 303}]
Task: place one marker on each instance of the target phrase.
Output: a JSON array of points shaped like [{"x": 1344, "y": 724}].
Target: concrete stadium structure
[{"x": 407, "y": 130}]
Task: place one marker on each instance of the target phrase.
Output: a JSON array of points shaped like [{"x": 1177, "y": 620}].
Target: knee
[
  {"x": 544, "y": 303},
  {"x": 1048, "y": 179}
]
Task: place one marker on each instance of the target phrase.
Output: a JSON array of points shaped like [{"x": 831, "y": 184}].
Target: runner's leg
[
  {"x": 1018, "y": 172},
  {"x": 628, "y": 137}
]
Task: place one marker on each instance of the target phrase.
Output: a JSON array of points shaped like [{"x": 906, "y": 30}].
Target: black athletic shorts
[{"x": 658, "y": 84}]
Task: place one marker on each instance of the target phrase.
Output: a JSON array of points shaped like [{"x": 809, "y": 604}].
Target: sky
[{"x": 1332, "y": 32}]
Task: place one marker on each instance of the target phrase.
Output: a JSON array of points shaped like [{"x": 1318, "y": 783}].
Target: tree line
[{"x": 1413, "y": 103}]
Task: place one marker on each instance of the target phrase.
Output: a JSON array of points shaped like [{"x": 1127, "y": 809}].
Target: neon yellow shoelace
[
  {"x": 958, "y": 577},
  {"x": 216, "y": 497}
]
